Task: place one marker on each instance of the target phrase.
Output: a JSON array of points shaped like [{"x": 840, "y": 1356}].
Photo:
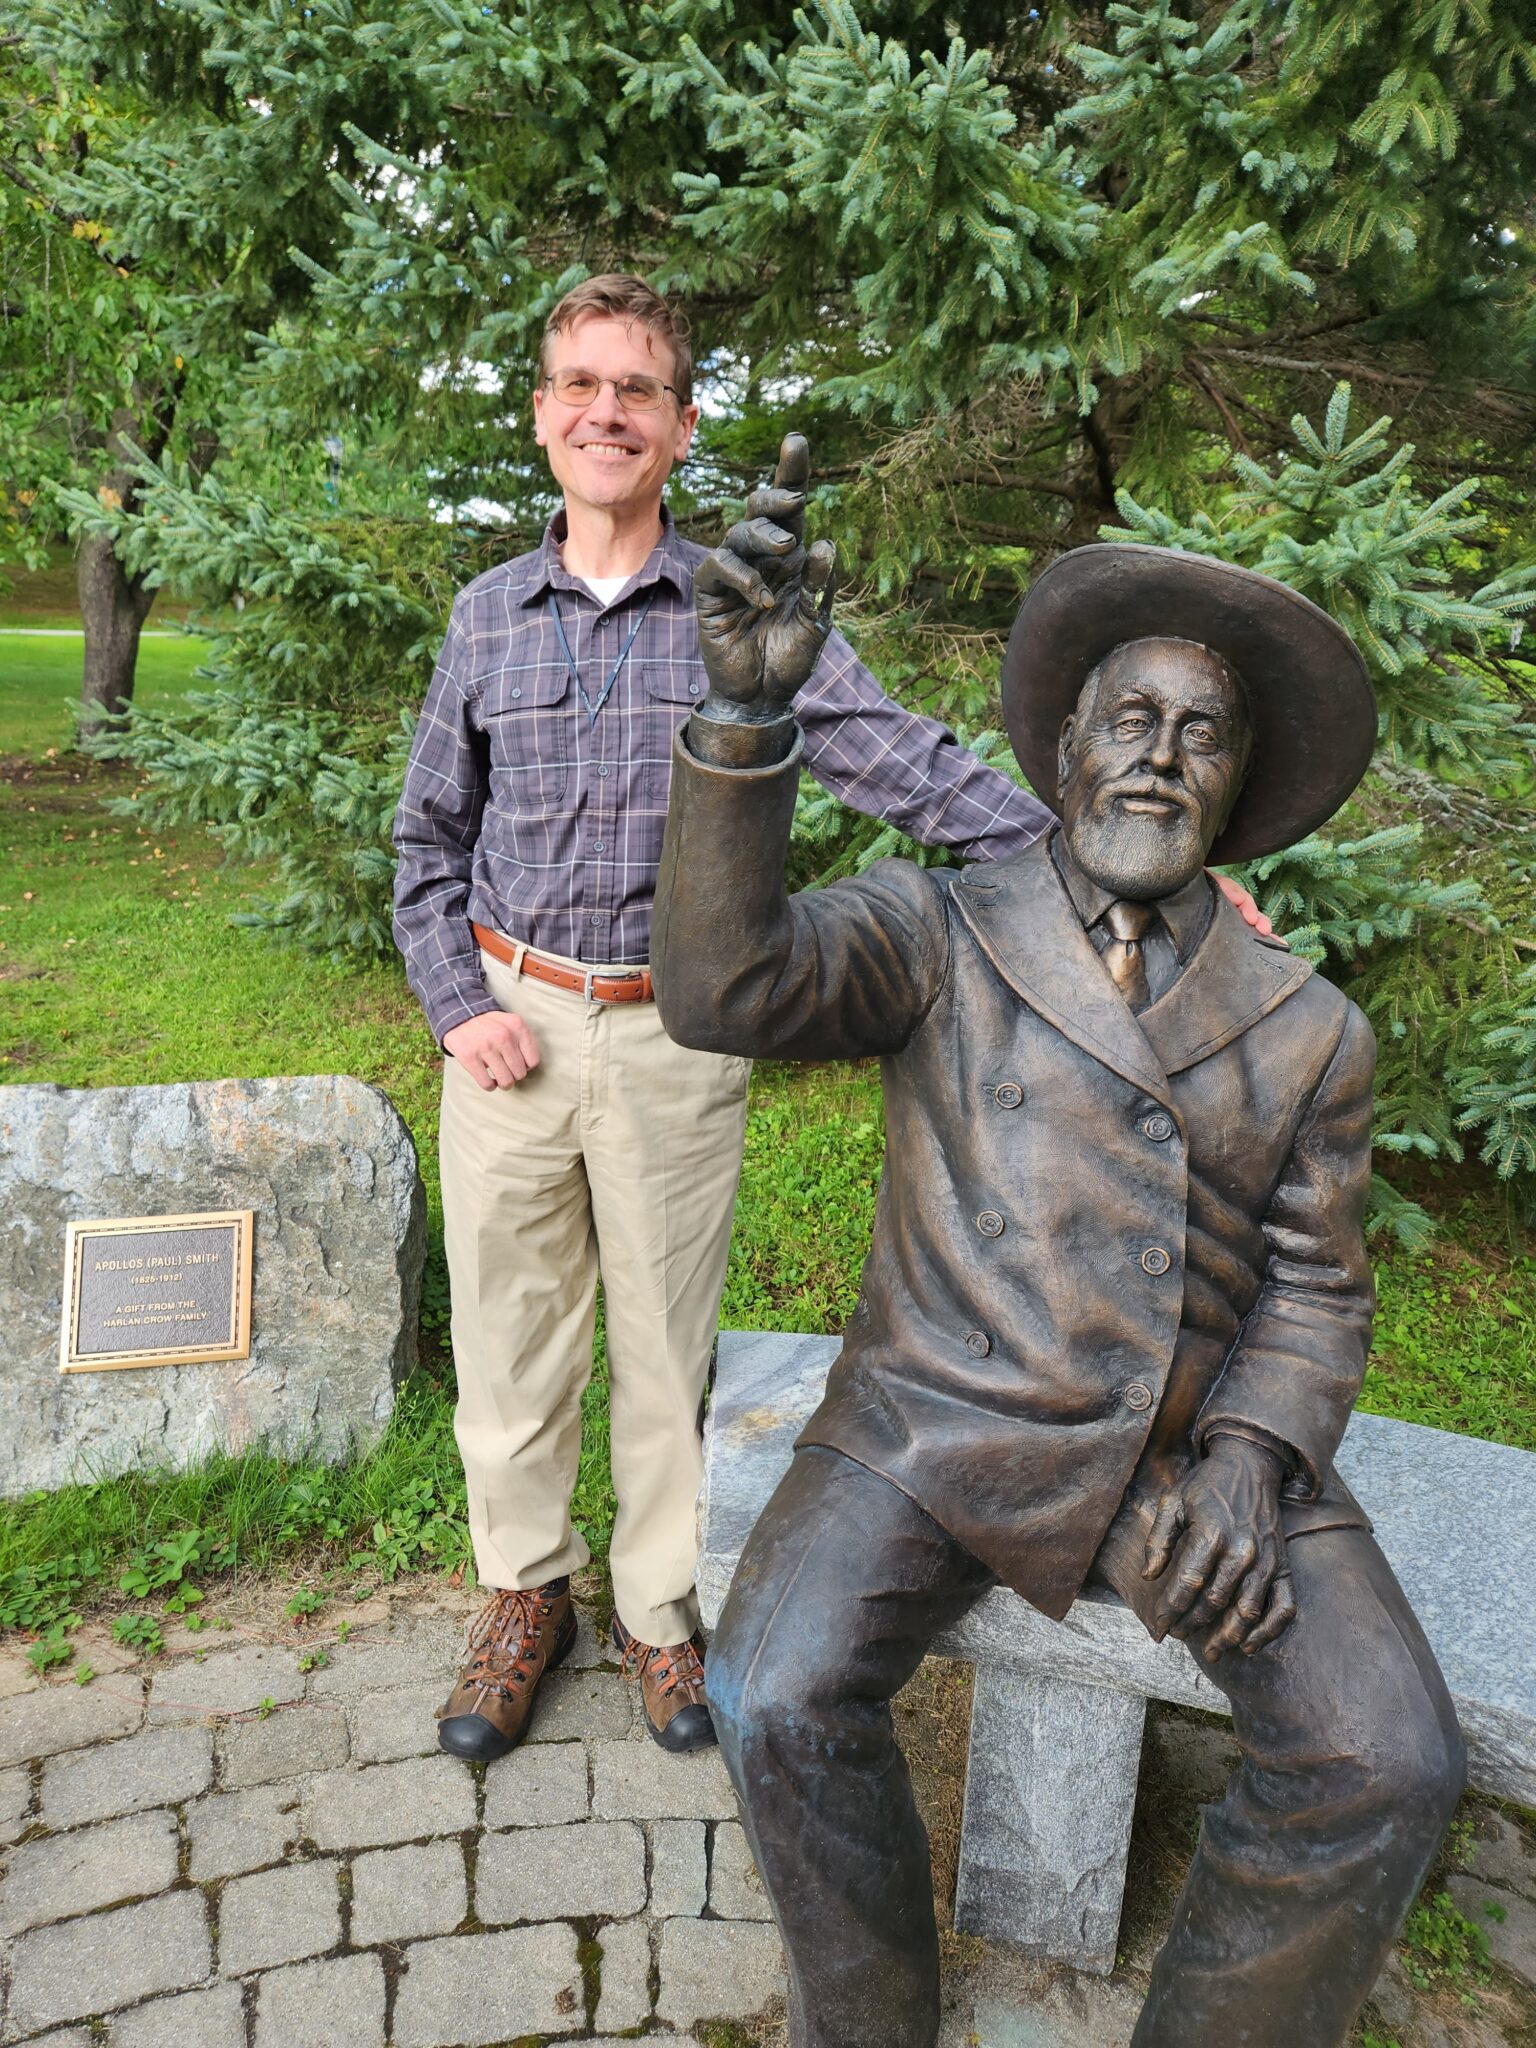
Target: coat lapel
[
  {"x": 1229, "y": 983},
  {"x": 1023, "y": 920}
]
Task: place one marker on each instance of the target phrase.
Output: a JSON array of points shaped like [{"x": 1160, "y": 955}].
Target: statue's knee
[
  {"x": 1420, "y": 1772},
  {"x": 760, "y": 1686},
  {"x": 730, "y": 1658}
]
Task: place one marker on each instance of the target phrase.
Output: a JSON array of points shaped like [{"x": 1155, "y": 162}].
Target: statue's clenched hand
[
  {"x": 764, "y": 602},
  {"x": 1219, "y": 1547}
]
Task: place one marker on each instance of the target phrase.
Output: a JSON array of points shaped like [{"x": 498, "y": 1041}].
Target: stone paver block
[
  {"x": 430, "y": 1795},
  {"x": 227, "y": 1682},
  {"x": 62, "y": 1875},
  {"x": 287, "y": 1745},
  {"x": 1510, "y": 1927},
  {"x": 624, "y": 1994},
  {"x": 59, "y": 1717},
  {"x": 1013, "y": 2009},
  {"x": 389, "y": 1725},
  {"x": 1393, "y": 1996},
  {"x": 587, "y": 1651},
  {"x": 678, "y": 1869},
  {"x": 401, "y": 1894},
  {"x": 537, "y": 1787},
  {"x": 639, "y": 1781},
  {"x": 735, "y": 1889},
  {"x": 15, "y": 1796},
  {"x": 334, "y": 2004},
  {"x": 1503, "y": 1857},
  {"x": 557, "y": 1873},
  {"x": 161, "y": 1767},
  {"x": 197, "y": 2019},
  {"x": 109, "y": 1959},
  {"x": 65, "y": 2037},
  {"x": 278, "y": 1916},
  {"x": 717, "y": 1970},
  {"x": 580, "y": 1703},
  {"x": 234, "y": 1832},
  {"x": 473, "y": 1989},
  {"x": 418, "y": 1656}
]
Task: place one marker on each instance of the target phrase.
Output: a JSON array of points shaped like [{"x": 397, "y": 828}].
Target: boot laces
[
  {"x": 670, "y": 1665},
  {"x": 503, "y": 1639}
]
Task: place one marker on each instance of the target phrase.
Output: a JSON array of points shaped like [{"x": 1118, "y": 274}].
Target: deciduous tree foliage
[{"x": 1253, "y": 278}]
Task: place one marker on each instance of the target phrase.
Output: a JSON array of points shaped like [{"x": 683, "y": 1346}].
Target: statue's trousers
[{"x": 1352, "y": 1765}]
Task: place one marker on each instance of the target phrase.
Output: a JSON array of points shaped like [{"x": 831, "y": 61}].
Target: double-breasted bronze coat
[{"x": 1098, "y": 1233}]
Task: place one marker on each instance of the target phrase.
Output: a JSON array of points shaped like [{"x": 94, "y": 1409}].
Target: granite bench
[{"x": 1058, "y": 1708}]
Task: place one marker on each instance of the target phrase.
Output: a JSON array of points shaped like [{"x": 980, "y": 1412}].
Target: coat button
[
  {"x": 978, "y": 1343},
  {"x": 989, "y": 1223},
  {"x": 1007, "y": 1094},
  {"x": 1155, "y": 1260},
  {"x": 1137, "y": 1396},
  {"x": 1158, "y": 1128}
]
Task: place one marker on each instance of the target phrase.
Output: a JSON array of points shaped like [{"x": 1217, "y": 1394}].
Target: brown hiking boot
[
  {"x": 671, "y": 1677},
  {"x": 512, "y": 1643}
]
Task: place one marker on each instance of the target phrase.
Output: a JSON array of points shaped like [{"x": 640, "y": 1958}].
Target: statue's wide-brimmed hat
[{"x": 1313, "y": 709}]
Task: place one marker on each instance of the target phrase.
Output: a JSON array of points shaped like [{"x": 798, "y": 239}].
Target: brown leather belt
[{"x": 633, "y": 986}]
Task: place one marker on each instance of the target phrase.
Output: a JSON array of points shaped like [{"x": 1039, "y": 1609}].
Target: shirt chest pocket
[
  {"x": 671, "y": 690},
  {"x": 527, "y": 713}
]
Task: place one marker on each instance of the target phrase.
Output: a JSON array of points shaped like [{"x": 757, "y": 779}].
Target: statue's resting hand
[
  {"x": 764, "y": 603},
  {"x": 1219, "y": 1546}
]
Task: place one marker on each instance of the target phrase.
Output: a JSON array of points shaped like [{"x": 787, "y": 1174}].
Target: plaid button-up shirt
[{"x": 523, "y": 812}]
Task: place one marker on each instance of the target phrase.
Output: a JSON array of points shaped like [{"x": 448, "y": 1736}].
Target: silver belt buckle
[{"x": 586, "y": 988}]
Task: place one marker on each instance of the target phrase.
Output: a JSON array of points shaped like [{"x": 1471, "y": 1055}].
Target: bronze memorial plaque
[{"x": 157, "y": 1290}]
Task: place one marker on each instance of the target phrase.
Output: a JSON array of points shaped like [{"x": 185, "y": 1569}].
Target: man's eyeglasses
[{"x": 635, "y": 394}]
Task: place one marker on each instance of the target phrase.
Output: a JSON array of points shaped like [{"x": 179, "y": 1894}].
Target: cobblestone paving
[
  {"x": 220, "y": 1851},
  {"x": 217, "y": 1849}
]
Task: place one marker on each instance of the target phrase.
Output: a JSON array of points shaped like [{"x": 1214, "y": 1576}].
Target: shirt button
[
  {"x": 693, "y": 689},
  {"x": 1158, "y": 1127},
  {"x": 604, "y": 771},
  {"x": 1138, "y": 1397},
  {"x": 517, "y": 693},
  {"x": 1155, "y": 1260},
  {"x": 596, "y": 918},
  {"x": 978, "y": 1343},
  {"x": 599, "y": 846},
  {"x": 989, "y": 1223},
  {"x": 1007, "y": 1094}
]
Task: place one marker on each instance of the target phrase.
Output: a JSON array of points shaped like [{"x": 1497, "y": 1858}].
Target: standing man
[{"x": 577, "y": 1140}]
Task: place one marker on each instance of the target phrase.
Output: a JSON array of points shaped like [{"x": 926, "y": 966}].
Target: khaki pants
[{"x": 618, "y": 1155}]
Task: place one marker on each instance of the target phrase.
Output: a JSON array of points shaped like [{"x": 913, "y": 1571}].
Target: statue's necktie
[{"x": 1128, "y": 924}]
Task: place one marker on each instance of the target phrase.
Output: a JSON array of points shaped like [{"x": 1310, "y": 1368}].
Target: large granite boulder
[{"x": 329, "y": 1170}]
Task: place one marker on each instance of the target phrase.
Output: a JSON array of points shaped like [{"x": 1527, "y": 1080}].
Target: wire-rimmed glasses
[{"x": 635, "y": 393}]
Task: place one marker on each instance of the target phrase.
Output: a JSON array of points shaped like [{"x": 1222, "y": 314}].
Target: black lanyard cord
[{"x": 570, "y": 660}]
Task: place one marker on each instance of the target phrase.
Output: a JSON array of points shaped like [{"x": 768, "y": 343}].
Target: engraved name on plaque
[{"x": 157, "y": 1290}]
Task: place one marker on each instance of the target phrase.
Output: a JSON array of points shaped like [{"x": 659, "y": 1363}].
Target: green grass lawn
[
  {"x": 119, "y": 964},
  {"x": 40, "y": 683}
]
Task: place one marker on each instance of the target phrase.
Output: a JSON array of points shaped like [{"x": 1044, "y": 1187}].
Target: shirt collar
[
  {"x": 1186, "y": 913},
  {"x": 664, "y": 564}
]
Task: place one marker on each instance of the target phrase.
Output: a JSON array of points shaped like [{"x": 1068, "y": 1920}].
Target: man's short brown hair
[{"x": 619, "y": 297}]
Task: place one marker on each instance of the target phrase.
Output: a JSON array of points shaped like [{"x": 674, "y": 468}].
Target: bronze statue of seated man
[{"x": 1117, "y": 1305}]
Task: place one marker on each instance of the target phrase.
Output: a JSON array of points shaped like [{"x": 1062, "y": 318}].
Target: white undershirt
[{"x": 604, "y": 588}]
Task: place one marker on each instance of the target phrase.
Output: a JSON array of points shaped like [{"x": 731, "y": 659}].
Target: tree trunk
[{"x": 113, "y": 608}]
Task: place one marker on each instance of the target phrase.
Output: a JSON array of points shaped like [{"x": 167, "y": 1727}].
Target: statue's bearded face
[{"x": 1150, "y": 765}]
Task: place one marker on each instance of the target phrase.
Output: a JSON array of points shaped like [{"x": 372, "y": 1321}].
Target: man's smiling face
[
  {"x": 1150, "y": 765},
  {"x": 601, "y": 455}
]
